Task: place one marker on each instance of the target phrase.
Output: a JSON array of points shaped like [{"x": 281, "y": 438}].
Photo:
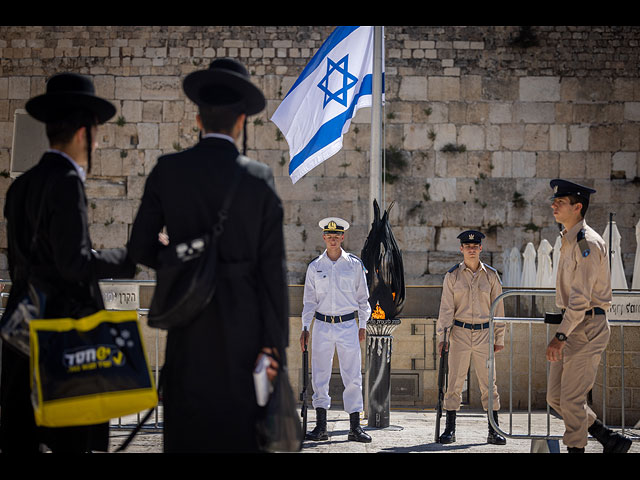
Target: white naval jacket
[{"x": 336, "y": 288}]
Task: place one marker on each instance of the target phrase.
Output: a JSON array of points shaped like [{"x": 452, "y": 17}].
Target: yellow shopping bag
[{"x": 89, "y": 370}]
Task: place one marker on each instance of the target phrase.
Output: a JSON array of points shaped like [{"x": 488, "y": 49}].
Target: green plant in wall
[
  {"x": 120, "y": 121},
  {"x": 518, "y": 200},
  {"x": 531, "y": 227},
  {"x": 454, "y": 148},
  {"x": 426, "y": 195},
  {"x": 395, "y": 163}
]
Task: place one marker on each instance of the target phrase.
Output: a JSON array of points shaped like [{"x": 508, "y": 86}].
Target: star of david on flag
[{"x": 318, "y": 109}]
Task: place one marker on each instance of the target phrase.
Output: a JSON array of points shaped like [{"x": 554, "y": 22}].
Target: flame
[{"x": 378, "y": 313}]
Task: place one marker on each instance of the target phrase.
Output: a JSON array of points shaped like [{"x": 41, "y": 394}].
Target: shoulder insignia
[
  {"x": 582, "y": 243},
  {"x": 351, "y": 255},
  {"x": 452, "y": 269},
  {"x": 314, "y": 260},
  {"x": 494, "y": 271}
]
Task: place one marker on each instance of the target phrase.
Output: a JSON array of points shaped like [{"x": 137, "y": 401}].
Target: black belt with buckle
[
  {"x": 336, "y": 318},
  {"x": 471, "y": 326}
]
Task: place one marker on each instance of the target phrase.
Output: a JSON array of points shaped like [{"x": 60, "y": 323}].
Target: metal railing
[{"x": 547, "y": 436}]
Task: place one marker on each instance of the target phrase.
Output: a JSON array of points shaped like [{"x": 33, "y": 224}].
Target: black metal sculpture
[
  {"x": 385, "y": 278},
  {"x": 385, "y": 272}
]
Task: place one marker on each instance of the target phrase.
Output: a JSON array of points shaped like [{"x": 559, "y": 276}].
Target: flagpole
[{"x": 375, "y": 177}]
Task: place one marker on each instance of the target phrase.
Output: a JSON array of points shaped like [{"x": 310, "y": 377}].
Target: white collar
[
  {"x": 219, "y": 135},
  {"x": 81, "y": 173}
]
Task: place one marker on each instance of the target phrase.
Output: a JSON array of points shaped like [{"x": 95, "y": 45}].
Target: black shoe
[
  {"x": 449, "y": 434},
  {"x": 611, "y": 441},
  {"x": 575, "y": 449},
  {"x": 320, "y": 432},
  {"x": 356, "y": 433},
  {"x": 494, "y": 437}
]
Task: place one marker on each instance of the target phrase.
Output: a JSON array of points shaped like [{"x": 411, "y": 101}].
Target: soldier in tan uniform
[
  {"x": 468, "y": 290},
  {"x": 583, "y": 292}
]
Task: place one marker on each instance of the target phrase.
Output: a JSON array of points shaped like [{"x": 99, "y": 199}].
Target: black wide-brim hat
[
  {"x": 67, "y": 92},
  {"x": 225, "y": 82}
]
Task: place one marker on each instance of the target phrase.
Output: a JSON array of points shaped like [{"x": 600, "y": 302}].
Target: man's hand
[
  {"x": 554, "y": 350},
  {"x": 497, "y": 348},
  {"x": 441, "y": 345},
  {"x": 272, "y": 368},
  {"x": 304, "y": 339}
]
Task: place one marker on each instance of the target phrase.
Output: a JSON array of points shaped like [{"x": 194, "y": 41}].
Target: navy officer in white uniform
[{"x": 337, "y": 297}]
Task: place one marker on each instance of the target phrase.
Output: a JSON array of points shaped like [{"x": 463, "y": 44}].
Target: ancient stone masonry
[{"x": 476, "y": 122}]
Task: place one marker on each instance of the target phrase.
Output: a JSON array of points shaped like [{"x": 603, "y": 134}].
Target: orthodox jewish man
[
  {"x": 468, "y": 290},
  {"x": 50, "y": 247},
  {"x": 208, "y": 388},
  {"x": 337, "y": 297}
]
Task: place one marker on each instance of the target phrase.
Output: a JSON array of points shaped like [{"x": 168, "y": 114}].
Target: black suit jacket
[
  {"x": 208, "y": 367},
  {"x": 65, "y": 266}
]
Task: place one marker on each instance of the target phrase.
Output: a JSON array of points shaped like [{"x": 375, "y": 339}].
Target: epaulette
[
  {"x": 452, "y": 269},
  {"x": 583, "y": 244},
  {"x": 313, "y": 260},
  {"x": 361, "y": 262},
  {"x": 495, "y": 271}
]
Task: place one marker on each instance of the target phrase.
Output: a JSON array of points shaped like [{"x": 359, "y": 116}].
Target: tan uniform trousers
[
  {"x": 571, "y": 378},
  {"x": 468, "y": 346}
]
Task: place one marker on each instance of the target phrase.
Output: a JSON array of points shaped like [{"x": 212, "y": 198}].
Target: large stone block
[{"x": 539, "y": 89}]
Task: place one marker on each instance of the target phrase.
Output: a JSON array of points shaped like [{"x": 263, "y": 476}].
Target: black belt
[
  {"x": 595, "y": 311},
  {"x": 471, "y": 326},
  {"x": 336, "y": 318}
]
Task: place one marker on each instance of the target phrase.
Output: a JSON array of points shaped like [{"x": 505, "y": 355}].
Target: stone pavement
[{"x": 410, "y": 431}]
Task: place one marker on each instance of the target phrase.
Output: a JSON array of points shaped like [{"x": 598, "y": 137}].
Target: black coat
[
  {"x": 208, "y": 394},
  {"x": 64, "y": 263}
]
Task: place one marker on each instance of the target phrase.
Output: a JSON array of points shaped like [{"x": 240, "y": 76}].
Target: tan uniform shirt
[
  {"x": 583, "y": 282},
  {"x": 467, "y": 297}
]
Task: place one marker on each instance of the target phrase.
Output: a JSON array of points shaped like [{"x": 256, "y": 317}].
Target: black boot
[
  {"x": 494, "y": 437},
  {"x": 356, "y": 433},
  {"x": 612, "y": 441},
  {"x": 320, "y": 432},
  {"x": 449, "y": 434}
]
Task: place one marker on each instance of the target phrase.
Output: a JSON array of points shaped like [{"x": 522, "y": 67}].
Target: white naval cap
[{"x": 333, "y": 225}]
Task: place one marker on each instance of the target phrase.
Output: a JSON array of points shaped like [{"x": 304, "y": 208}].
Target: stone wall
[
  {"x": 477, "y": 121},
  {"x": 517, "y": 107}
]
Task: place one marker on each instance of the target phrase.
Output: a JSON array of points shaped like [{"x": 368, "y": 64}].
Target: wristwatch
[{"x": 561, "y": 336}]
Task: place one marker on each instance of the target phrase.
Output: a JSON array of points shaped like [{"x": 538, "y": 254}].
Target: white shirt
[{"x": 336, "y": 288}]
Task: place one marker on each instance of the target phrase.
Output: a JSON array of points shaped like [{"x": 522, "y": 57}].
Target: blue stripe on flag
[
  {"x": 338, "y": 35},
  {"x": 332, "y": 130}
]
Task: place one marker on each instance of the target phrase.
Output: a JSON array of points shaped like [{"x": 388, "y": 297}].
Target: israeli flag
[{"x": 318, "y": 109}]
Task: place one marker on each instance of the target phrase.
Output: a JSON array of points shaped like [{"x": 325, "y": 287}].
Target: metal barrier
[{"x": 547, "y": 441}]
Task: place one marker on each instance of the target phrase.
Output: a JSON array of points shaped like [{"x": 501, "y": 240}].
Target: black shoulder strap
[
  {"x": 582, "y": 243},
  {"x": 224, "y": 211}
]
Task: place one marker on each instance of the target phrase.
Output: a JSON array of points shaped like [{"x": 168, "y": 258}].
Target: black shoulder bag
[{"x": 186, "y": 274}]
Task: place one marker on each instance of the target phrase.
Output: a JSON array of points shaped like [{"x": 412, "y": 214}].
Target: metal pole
[
  {"x": 375, "y": 169},
  {"x": 375, "y": 177}
]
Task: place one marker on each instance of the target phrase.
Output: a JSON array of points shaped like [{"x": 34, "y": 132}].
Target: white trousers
[{"x": 326, "y": 338}]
